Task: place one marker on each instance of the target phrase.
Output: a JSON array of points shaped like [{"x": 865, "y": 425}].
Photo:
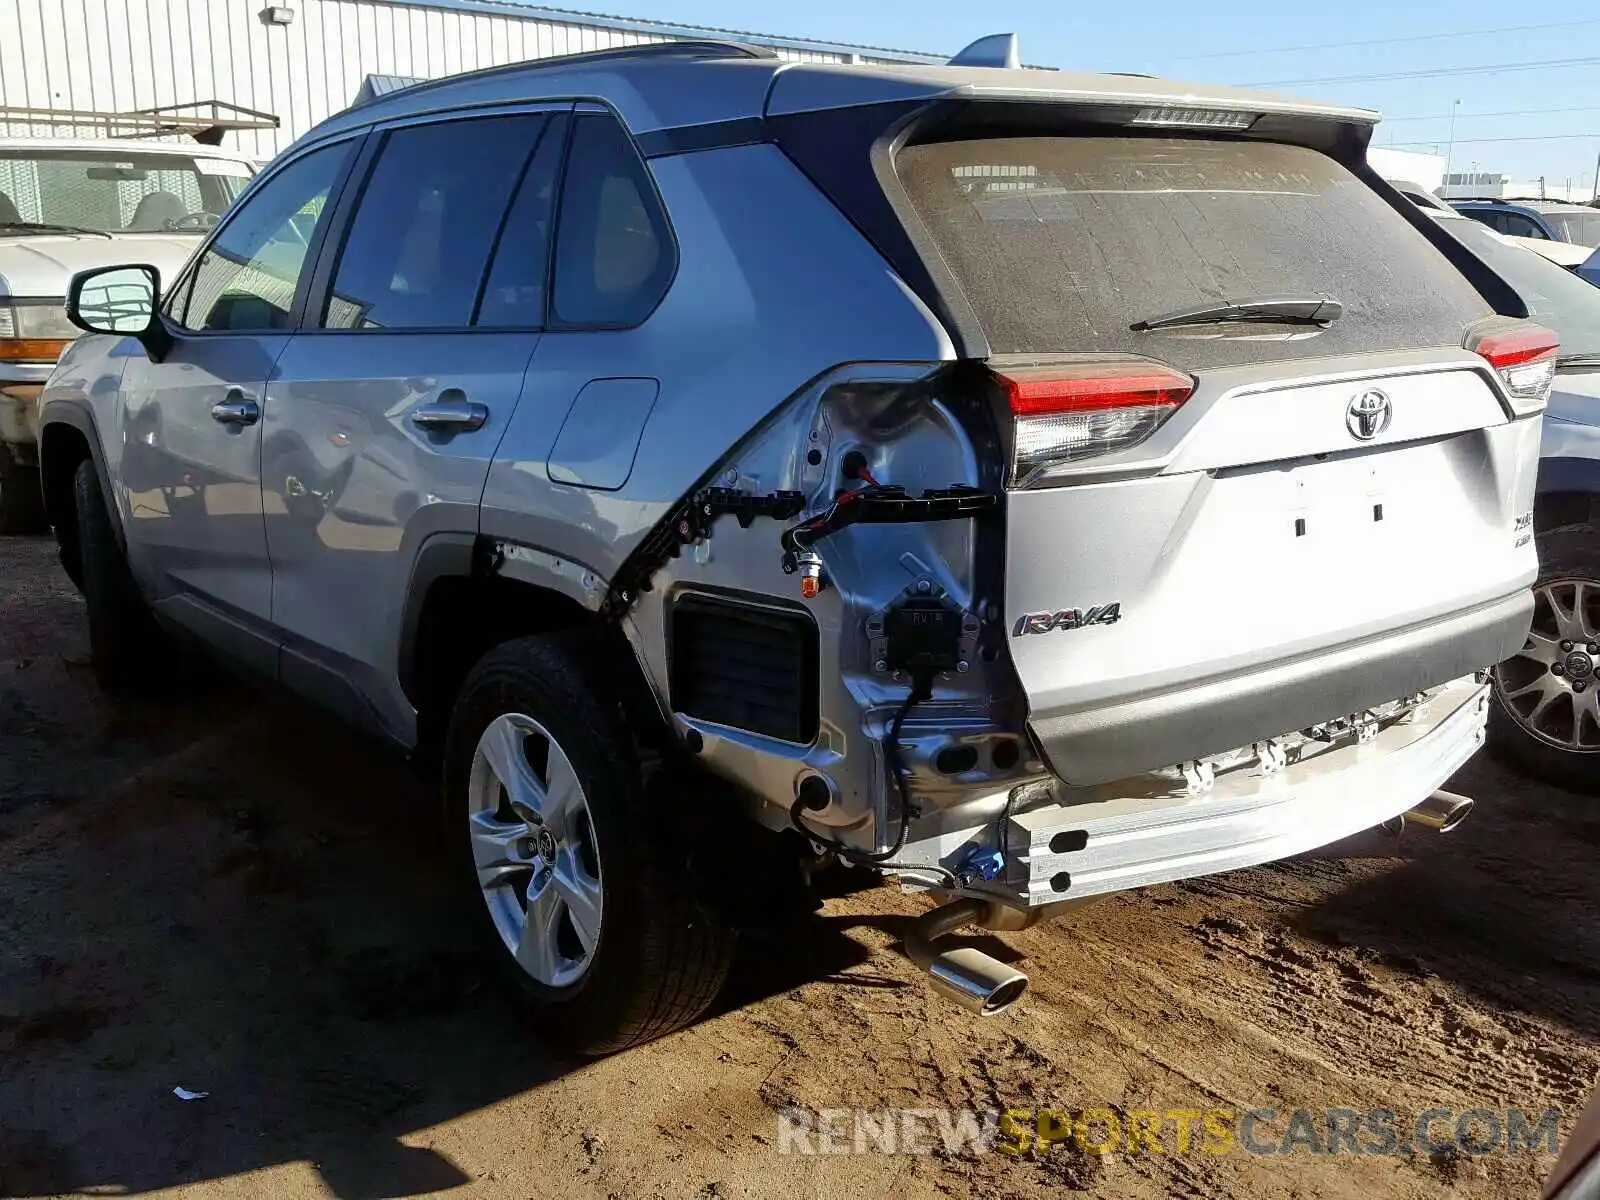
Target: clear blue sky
[{"x": 1166, "y": 36}]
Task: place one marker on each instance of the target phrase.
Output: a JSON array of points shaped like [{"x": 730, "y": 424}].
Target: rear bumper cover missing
[
  {"x": 1113, "y": 742},
  {"x": 1132, "y": 840}
]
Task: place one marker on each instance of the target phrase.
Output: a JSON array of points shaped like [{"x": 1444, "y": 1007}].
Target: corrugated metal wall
[{"x": 117, "y": 55}]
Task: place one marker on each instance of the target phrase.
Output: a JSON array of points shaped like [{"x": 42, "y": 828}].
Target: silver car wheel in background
[
  {"x": 1551, "y": 689},
  {"x": 534, "y": 848}
]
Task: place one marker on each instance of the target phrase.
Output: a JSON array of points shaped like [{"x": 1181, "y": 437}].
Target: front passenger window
[{"x": 247, "y": 278}]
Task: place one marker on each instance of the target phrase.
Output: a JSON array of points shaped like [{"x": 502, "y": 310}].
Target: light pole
[{"x": 1450, "y": 150}]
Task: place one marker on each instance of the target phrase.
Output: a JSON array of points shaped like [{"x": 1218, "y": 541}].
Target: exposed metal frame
[{"x": 203, "y": 120}]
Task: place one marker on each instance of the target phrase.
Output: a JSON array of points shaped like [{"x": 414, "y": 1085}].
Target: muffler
[
  {"x": 1441, "y": 812},
  {"x": 974, "y": 980}
]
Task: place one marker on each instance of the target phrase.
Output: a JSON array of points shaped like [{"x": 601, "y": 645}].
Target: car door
[
  {"x": 385, "y": 408},
  {"x": 191, "y": 442}
]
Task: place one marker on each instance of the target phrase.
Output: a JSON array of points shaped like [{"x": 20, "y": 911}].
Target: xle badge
[{"x": 1067, "y": 618}]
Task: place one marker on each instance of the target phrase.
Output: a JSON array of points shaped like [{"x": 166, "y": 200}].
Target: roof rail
[
  {"x": 704, "y": 48},
  {"x": 996, "y": 50},
  {"x": 203, "y": 120}
]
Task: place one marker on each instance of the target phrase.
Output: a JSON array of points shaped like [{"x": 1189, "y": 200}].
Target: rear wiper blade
[
  {"x": 1578, "y": 360},
  {"x": 1281, "y": 310},
  {"x": 45, "y": 227}
]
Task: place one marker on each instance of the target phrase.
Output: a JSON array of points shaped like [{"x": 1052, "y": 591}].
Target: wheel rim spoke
[
  {"x": 1543, "y": 684},
  {"x": 1541, "y": 649},
  {"x": 580, "y": 892},
  {"x": 498, "y": 849},
  {"x": 504, "y": 748},
  {"x": 537, "y": 952},
  {"x": 1549, "y": 697},
  {"x": 563, "y": 795},
  {"x": 1586, "y": 721},
  {"x": 1564, "y": 613}
]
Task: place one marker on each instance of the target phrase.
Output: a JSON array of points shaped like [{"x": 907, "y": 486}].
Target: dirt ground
[{"x": 230, "y": 894}]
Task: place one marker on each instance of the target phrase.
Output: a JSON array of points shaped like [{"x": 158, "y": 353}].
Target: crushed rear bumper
[{"x": 1146, "y": 831}]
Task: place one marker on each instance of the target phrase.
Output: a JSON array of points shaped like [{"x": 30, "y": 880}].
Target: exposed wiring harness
[
  {"x": 921, "y": 689},
  {"x": 886, "y": 504}
]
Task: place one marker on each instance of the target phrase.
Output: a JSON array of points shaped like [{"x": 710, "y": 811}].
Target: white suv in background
[{"x": 67, "y": 205}]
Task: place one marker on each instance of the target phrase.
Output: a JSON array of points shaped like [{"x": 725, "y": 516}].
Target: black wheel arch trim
[
  {"x": 80, "y": 417},
  {"x": 442, "y": 556}
]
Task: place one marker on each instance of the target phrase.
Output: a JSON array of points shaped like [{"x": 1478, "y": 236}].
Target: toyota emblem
[{"x": 1368, "y": 415}]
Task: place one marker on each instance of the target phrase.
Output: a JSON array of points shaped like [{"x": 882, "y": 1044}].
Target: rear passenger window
[
  {"x": 514, "y": 293},
  {"x": 419, "y": 244},
  {"x": 614, "y": 255}
]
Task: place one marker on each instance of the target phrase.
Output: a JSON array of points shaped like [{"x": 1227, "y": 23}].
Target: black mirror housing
[{"x": 121, "y": 300}]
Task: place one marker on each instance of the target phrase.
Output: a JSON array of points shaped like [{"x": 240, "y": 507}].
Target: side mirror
[{"x": 120, "y": 300}]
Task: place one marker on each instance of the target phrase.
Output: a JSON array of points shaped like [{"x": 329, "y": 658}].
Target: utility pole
[
  {"x": 1597, "y": 180},
  {"x": 1450, "y": 150}
]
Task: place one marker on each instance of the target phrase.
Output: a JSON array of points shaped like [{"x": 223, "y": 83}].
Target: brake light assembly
[
  {"x": 1524, "y": 356},
  {"x": 1067, "y": 412}
]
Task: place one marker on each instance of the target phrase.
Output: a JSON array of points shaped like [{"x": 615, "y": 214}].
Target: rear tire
[
  {"x": 1545, "y": 718},
  {"x": 577, "y": 847},
  {"x": 131, "y": 654},
  {"x": 21, "y": 497}
]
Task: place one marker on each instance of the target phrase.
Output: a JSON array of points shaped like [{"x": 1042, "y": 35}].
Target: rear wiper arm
[
  {"x": 1578, "y": 360},
  {"x": 1280, "y": 310},
  {"x": 45, "y": 227}
]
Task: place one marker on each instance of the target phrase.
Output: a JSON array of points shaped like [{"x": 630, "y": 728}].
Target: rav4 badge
[{"x": 1067, "y": 618}]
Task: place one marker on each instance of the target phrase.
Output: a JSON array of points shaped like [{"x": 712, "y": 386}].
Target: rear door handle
[
  {"x": 452, "y": 412},
  {"x": 236, "y": 409}
]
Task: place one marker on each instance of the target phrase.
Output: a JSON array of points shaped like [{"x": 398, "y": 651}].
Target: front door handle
[
  {"x": 236, "y": 409},
  {"x": 452, "y": 412}
]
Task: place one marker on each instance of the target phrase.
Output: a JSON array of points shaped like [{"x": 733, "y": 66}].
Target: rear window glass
[{"x": 1062, "y": 243}]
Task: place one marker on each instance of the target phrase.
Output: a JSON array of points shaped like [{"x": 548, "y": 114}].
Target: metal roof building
[{"x": 300, "y": 60}]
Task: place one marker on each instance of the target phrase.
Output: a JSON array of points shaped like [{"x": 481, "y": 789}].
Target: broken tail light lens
[
  {"x": 1066, "y": 413},
  {"x": 1525, "y": 360}
]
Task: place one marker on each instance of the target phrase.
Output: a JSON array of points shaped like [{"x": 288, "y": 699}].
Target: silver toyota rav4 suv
[{"x": 1028, "y": 485}]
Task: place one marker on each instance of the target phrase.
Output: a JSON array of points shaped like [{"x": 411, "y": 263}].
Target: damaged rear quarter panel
[{"x": 774, "y": 287}]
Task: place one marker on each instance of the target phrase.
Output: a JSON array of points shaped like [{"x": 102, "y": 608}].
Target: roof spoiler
[{"x": 996, "y": 50}]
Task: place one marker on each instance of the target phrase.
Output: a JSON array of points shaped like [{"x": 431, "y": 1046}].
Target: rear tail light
[
  {"x": 1069, "y": 412},
  {"x": 1525, "y": 360}
]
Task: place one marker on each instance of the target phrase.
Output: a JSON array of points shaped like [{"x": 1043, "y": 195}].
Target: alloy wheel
[
  {"x": 534, "y": 849},
  {"x": 1551, "y": 689}
]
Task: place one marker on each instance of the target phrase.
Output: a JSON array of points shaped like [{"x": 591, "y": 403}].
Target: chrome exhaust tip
[
  {"x": 976, "y": 981},
  {"x": 1441, "y": 812}
]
